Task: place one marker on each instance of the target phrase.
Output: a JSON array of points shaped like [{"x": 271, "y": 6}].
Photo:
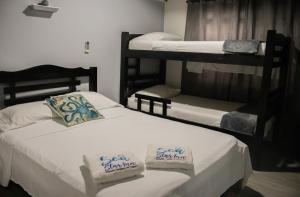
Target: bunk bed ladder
[
  {"x": 132, "y": 82},
  {"x": 136, "y": 67},
  {"x": 125, "y": 67}
]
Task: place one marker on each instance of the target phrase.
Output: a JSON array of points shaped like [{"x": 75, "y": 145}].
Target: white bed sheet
[
  {"x": 196, "y": 109},
  {"x": 215, "y": 47},
  {"x": 45, "y": 158}
]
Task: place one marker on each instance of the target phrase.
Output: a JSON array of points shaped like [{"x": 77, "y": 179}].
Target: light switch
[{"x": 87, "y": 47}]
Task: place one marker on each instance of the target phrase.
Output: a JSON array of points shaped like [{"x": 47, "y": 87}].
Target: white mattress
[
  {"x": 215, "y": 47},
  {"x": 196, "y": 109},
  {"x": 45, "y": 158}
]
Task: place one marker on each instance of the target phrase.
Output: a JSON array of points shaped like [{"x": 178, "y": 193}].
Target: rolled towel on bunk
[
  {"x": 169, "y": 157},
  {"x": 106, "y": 168},
  {"x": 239, "y": 122},
  {"x": 241, "y": 46}
]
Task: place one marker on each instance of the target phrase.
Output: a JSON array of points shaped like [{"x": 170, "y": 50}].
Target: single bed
[{"x": 45, "y": 158}]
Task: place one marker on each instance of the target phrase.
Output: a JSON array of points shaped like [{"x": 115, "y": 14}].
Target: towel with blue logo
[
  {"x": 169, "y": 157},
  {"x": 105, "y": 168}
]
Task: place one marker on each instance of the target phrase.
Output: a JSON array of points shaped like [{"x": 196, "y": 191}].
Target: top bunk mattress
[{"x": 214, "y": 47}]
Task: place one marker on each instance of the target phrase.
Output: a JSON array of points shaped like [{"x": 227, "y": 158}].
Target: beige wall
[
  {"x": 174, "y": 22},
  {"x": 175, "y": 16}
]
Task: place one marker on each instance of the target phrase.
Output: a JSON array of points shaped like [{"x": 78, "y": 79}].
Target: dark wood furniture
[
  {"x": 44, "y": 77},
  {"x": 151, "y": 99},
  {"x": 270, "y": 101}
]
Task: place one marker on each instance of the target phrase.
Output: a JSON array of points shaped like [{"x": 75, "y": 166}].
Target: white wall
[
  {"x": 29, "y": 41},
  {"x": 175, "y": 21}
]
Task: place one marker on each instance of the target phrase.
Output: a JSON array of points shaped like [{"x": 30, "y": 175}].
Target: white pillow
[
  {"x": 161, "y": 91},
  {"x": 98, "y": 100},
  {"x": 18, "y": 116},
  {"x": 158, "y": 36},
  {"x": 22, "y": 115}
]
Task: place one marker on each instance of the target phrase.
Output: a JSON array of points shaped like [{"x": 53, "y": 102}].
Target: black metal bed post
[
  {"x": 124, "y": 69},
  {"x": 279, "y": 95},
  {"x": 183, "y": 72},
  {"x": 283, "y": 81},
  {"x": 263, "y": 99},
  {"x": 93, "y": 79}
]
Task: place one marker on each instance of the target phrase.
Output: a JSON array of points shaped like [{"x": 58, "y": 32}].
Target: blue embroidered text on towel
[
  {"x": 109, "y": 167},
  {"x": 119, "y": 162},
  {"x": 170, "y": 154},
  {"x": 169, "y": 157}
]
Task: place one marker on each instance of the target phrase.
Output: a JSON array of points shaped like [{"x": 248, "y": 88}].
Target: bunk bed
[{"x": 272, "y": 54}]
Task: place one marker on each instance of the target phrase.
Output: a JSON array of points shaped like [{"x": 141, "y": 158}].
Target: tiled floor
[{"x": 272, "y": 184}]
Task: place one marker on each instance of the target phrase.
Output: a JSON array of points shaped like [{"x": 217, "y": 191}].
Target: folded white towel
[
  {"x": 169, "y": 157},
  {"x": 105, "y": 168}
]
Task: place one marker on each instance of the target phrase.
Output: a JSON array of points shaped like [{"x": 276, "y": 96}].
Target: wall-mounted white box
[{"x": 42, "y": 8}]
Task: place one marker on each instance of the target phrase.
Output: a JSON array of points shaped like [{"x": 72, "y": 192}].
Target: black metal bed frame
[
  {"x": 40, "y": 79},
  {"x": 270, "y": 102}
]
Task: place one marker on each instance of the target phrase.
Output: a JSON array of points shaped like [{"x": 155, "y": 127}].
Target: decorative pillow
[
  {"x": 22, "y": 115},
  {"x": 161, "y": 91},
  {"x": 73, "y": 109}
]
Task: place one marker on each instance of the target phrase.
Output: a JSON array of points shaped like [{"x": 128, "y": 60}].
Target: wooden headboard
[{"x": 43, "y": 78}]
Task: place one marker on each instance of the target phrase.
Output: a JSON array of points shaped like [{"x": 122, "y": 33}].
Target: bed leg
[
  {"x": 165, "y": 106},
  {"x": 257, "y": 154},
  {"x": 139, "y": 104},
  {"x": 236, "y": 188},
  {"x": 151, "y": 106}
]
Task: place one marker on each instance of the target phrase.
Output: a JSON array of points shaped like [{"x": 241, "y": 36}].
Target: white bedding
[
  {"x": 45, "y": 158},
  {"x": 215, "y": 47},
  {"x": 195, "y": 109}
]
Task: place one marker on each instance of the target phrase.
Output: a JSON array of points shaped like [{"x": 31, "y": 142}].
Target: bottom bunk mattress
[
  {"x": 196, "y": 109},
  {"x": 211, "y": 112}
]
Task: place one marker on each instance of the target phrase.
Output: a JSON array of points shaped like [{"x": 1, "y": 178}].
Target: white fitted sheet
[
  {"x": 44, "y": 158},
  {"x": 215, "y": 47},
  {"x": 196, "y": 109}
]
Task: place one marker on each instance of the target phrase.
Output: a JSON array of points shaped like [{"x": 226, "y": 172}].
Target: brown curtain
[
  {"x": 250, "y": 19},
  {"x": 238, "y": 19}
]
